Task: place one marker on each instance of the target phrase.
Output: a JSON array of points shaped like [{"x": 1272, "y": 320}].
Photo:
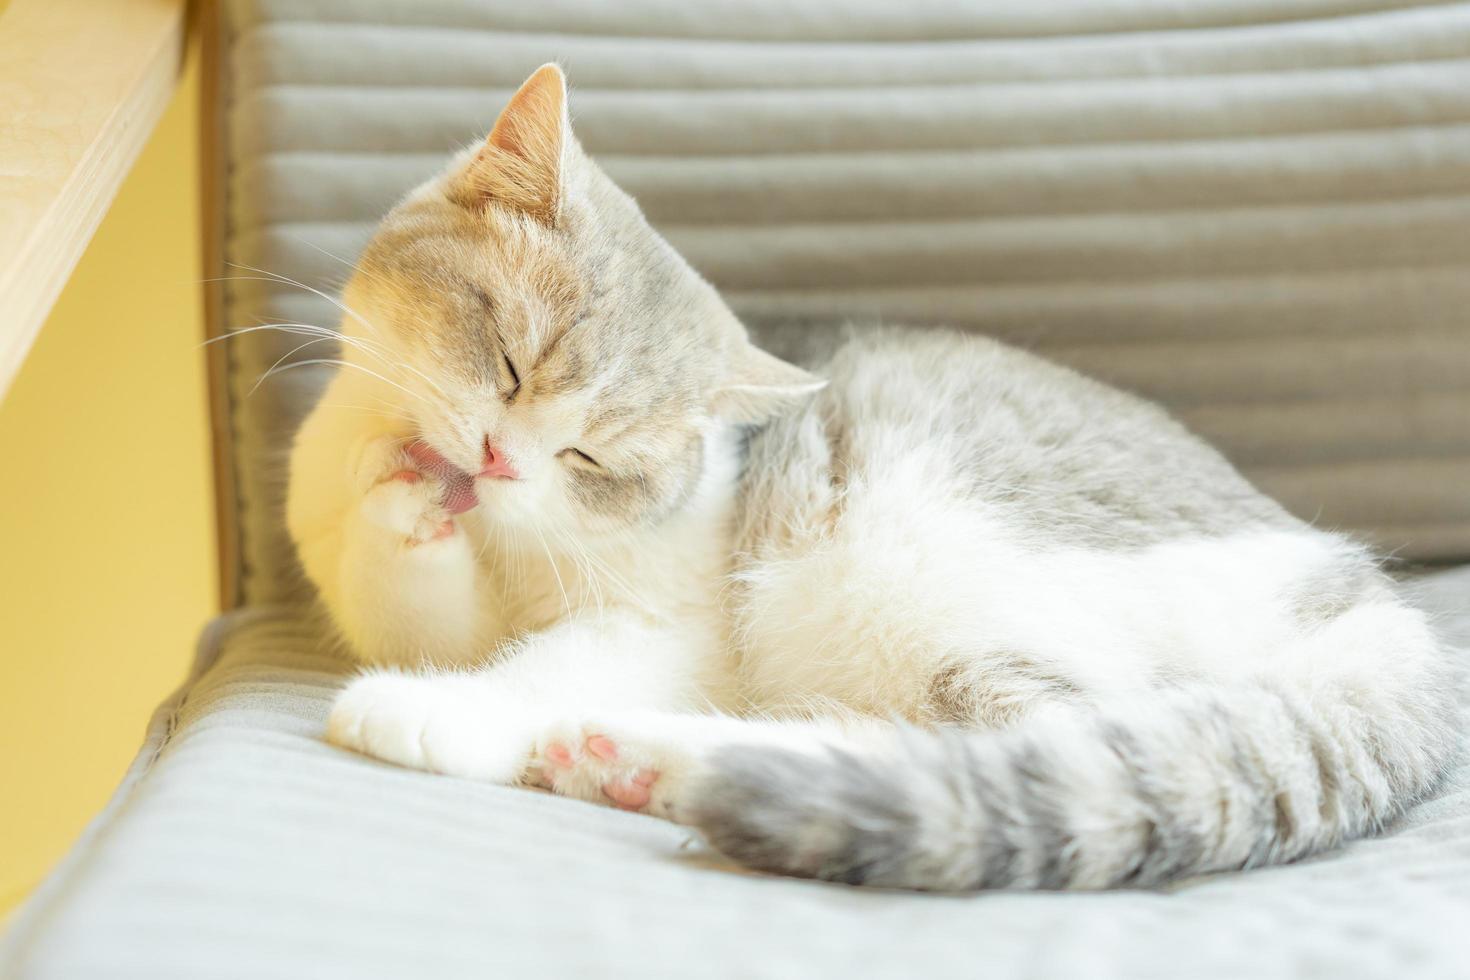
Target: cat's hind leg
[{"x": 653, "y": 761}]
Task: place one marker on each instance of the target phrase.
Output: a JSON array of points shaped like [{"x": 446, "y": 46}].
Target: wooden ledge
[{"x": 82, "y": 83}]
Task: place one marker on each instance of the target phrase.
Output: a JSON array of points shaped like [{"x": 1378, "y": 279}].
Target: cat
[{"x": 930, "y": 612}]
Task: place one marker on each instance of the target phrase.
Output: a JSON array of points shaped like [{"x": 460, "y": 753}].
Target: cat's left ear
[
  {"x": 760, "y": 387},
  {"x": 522, "y": 162}
]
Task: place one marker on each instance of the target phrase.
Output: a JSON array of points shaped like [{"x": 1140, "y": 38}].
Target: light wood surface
[{"x": 82, "y": 83}]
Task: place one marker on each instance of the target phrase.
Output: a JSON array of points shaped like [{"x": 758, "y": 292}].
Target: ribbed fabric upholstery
[
  {"x": 244, "y": 847},
  {"x": 1256, "y": 211}
]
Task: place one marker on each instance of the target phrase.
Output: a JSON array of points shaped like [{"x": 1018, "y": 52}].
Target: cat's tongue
[{"x": 459, "y": 486}]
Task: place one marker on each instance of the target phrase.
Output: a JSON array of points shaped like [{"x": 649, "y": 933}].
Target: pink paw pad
[
  {"x": 634, "y": 794},
  {"x": 443, "y": 531},
  {"x": 559, "y": 755},
  {"x": 407, "y": 476},
  {"x": 602, "y": 747}
]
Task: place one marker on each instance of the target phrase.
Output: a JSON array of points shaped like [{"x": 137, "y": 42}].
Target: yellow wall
[{"x": 106, "y": 534}]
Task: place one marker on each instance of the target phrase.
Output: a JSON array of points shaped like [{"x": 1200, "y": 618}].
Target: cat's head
[{"x": 547, "y": 339}]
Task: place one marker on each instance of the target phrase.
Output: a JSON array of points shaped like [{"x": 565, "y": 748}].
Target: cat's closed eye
[
  {"x": 515, "y": 377},
  {"x": 573, "y": 453}
]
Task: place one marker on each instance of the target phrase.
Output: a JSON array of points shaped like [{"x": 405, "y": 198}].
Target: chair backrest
[{"x": 1256, "y": 212}]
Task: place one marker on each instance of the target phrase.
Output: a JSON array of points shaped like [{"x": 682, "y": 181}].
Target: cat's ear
[
  {"x": 761, "y": 386},
  {"x": 522, "y": 161}
]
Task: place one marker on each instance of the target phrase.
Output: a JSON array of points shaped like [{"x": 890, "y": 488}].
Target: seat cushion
[
  {"x": 1253, "y": 211},
  {"x": 242, "y": 845}
]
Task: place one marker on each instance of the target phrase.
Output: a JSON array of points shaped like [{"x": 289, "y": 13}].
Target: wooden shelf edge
[{"x": 83, "y": 82}]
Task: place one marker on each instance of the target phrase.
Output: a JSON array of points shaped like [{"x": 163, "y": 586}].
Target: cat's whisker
[
  {"x": 276, "y": 277},
  {"x": 306, "y": 330},
  {"x": 268, "y": 276},
  {"x": 522, "y": 562},
  {"x": 582, "y": 578},
  {"x": 391, "y": 406},
  {"x": 336, "y": 258},
  {"x": 341, "y": 363},
  {"x": 401, "y": 365},
  {"x": 284, "y": 357},
  {"x": 597, "y": 564},
  {"x": 506, "y": 553},
  {"x": 368, "y": 410},
  {"x": 566, "y": 601},
  {"x": 301, "y": 329},
  {"x": 374, "y": 348},
  {"x": 485, "y": 545},
  {"x": 596, "y": 571}
]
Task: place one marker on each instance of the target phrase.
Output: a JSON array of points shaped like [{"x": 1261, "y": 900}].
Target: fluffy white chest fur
[{"x": 933, "y": 614}]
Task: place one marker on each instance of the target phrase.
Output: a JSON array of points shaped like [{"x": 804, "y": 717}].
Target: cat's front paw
[
  {"x": 407, "y": 504},
  {"x": 444, "y": 723},
  {"x": 402, "y": 494}
]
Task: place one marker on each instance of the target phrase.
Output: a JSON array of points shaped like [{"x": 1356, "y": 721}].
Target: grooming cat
[{"x": 937, "y": 614}]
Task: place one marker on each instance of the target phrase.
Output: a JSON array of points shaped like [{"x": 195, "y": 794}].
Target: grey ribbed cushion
[
  {"x": 1254, "y": 210},
  {"x": 244, "y": 847}
]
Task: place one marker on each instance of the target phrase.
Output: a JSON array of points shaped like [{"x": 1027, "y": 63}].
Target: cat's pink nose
[{"x": 496, "y": 464}]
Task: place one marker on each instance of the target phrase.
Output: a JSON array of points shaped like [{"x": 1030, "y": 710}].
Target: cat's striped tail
[{"x": 1191, "y": 781}]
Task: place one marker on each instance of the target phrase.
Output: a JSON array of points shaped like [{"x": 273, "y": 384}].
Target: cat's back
[{"x": 1053, "y": 454}]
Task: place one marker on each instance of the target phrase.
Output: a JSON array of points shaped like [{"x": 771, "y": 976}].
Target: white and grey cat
[{"x": 937, "y": 614}]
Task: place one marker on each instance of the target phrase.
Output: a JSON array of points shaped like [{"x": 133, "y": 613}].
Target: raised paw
[
  {"x": 442, "y": 723},
  {"x": 412, "y": 490},
  {"x": 409, "y": 507}
]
